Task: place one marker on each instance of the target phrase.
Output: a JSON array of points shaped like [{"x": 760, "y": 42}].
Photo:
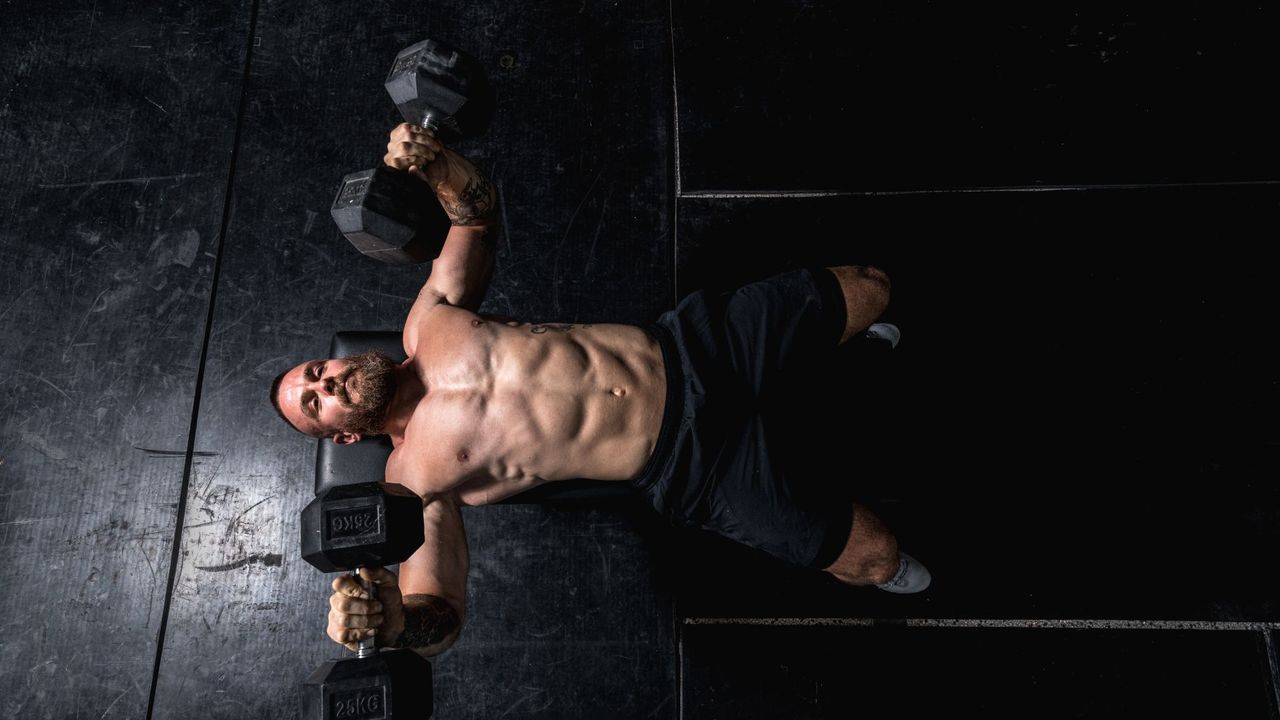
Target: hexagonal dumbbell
[
  {"x": 386, "y": 213},
  {"x": 344, "y": 529}
]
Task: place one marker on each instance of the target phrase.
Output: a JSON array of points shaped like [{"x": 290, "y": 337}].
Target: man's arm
[
  {"x": 434, "y": 581},
  {"x": 424, "y": 608},
  {"x": 461, "y": 273}
]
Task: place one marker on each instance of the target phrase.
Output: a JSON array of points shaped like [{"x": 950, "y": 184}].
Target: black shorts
[{"x": 727, "y": 459}]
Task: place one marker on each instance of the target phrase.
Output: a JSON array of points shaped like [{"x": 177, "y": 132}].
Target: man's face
[{"x": 345, "y": 398}]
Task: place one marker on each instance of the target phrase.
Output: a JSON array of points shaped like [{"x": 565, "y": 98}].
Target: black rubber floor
[{"x": 1078, "y": 433}]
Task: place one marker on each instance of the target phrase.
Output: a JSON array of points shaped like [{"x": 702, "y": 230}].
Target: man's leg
[
  {"x": 870, "y": 557},
  {"x": 866, "y": 295}
]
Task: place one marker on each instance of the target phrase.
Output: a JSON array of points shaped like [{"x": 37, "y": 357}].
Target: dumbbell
[
  {"x": 346, "y": 528},
  {"x": 386, "y": 213}
]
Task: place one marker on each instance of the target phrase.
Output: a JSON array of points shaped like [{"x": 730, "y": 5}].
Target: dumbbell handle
[
  {"x": 428, "y": 122},
  {"x": 366, "y": 646}
]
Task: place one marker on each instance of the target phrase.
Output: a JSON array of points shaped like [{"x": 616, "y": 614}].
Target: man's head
[{"x": 343, "y": 398}]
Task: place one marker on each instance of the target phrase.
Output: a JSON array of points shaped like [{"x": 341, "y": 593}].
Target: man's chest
[{"x": 444, "y": 444}]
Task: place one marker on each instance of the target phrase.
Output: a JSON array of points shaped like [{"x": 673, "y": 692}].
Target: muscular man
[{"x": 485, "y": 407}]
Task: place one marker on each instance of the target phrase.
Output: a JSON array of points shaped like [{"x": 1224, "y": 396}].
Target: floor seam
[
  {"x": 188, "y": 465},
  {"x": 770, "y": 194},
  {"x": 1028, "y": 623}
]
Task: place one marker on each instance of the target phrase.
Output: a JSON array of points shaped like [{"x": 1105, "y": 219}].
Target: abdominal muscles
[{"x": 567, "y": 404}]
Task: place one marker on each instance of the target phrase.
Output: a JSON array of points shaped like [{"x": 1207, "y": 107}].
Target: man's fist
[
  {"x": 354, "y": 615},
  {"x": 416, "y": 150}
]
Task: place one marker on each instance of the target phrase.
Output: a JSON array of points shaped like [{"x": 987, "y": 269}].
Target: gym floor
[{"x": 1078, "y": 433}]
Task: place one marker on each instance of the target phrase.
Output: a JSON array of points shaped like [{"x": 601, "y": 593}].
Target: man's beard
[{"x": 373, "y": 381}]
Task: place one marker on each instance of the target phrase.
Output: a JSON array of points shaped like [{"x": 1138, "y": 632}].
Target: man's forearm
[
  {"x": 464, "y": 192},
  {"x": 431, "y": 624},
  {"x": 461, "y": 272}
]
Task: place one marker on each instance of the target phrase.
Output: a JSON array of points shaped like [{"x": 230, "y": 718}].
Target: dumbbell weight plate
[
  {"x": 361, "y": 525},
  {"x": 390, "y": 216},
  {"x": 390, "y": 684},
  {"x": 431, "y": 79}
]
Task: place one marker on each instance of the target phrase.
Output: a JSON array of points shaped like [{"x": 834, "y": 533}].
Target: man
[{"x": 484, "y": 408}]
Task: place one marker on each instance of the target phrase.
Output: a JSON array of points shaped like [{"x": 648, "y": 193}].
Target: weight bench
[{"x": 366, "y": 460}]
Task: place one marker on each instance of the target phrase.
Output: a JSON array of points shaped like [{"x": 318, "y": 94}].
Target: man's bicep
[
  {"x": 461, "y": 273},
  {"x": 439, "y": 568}
]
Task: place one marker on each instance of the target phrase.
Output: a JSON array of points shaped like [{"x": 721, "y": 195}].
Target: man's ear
[{"x": 345, "y": 438}]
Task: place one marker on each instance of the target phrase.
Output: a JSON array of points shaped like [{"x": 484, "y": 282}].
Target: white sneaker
[
  {"x": 912, "y": 577},
  {"x": 885, "y": 331}
]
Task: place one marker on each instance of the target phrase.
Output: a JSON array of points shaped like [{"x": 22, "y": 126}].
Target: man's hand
[
  {"x": 416, "y": 150},
  {"x": 354, "y": 615},
  {"x": 464, "y": 192}
]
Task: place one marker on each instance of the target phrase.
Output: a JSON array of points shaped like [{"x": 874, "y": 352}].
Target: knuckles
[
  {"x": 345, "y": 603},
  {"x": 407, "y": 135}
]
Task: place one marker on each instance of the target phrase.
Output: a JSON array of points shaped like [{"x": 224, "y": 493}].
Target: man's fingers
[
  {"x": 379, "y": 576},
  {"x": 404, "y": 162},
  {"x": 401, "y": 162},
  {"x": 340, "y": 625},
  {"x": 350, "y": 639},
  {"x": 425, "y": 157},
  {"x": 361, "y": 621},
  {"x": 353, "y": 613},
  {"x": 417, "y": 145},
  {"x": 422, "y": 135},
  {"x": 420, "y": 131},
  {"x": 402, "y": 131},
  {"x": 419, "y": 150},
  {"x": 405, "y": 129},
  {"x": 353, "y": 606},
  {"x": 346, "y": 635},
  {"x": 405, "y": 132},
  {"x": 413, "y": 148},
  {"x": 358, "y": 634},
  {"x": 347, "y": 585},
  {"x": 426, "y": 139}
]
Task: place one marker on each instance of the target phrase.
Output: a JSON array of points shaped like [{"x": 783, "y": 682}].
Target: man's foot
[
  {"x": 912, "y": 577},
  {"x": 885, "y": 331}
]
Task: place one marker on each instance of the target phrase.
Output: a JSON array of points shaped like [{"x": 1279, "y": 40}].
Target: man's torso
[{"x": 511, "y": 405}]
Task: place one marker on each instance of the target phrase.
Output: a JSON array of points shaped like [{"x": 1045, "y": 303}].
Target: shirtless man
[{"x": 486, "y": 407}]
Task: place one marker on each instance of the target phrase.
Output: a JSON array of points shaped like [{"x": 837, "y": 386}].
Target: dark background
[{"x": 1078, "y": 433}]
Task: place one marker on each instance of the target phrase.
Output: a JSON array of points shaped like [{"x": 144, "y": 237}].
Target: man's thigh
[
  {"x": 765, "y": 497},
  {"x": 781, "y": 326}
]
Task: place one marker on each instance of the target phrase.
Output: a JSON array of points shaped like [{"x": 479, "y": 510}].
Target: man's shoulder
[{"x": 440, "y": 319}]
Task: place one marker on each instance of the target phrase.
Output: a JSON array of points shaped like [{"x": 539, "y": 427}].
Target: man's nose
[{"x": 326, "y": 385}]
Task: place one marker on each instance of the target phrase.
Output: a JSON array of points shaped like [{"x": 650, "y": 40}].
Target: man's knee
[
  {"x": 866, "y": 295},
  {"x": 870, "y": 556},
  {"x": 874, "y": 565}
]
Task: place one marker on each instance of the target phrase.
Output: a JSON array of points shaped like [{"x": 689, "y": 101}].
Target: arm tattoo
[
  {"x": 472, "y": 205},
  {"x": 541, "y": 328},
  {"x": 428, "y": 621}
]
